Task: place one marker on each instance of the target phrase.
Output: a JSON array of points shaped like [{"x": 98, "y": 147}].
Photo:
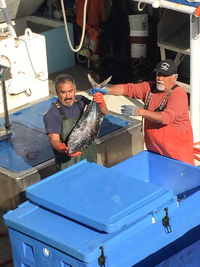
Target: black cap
[{"x": 167, "y": 67}]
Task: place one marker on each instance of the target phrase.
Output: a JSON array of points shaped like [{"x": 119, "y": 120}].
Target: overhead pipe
[{"x": 169, "y": 5}]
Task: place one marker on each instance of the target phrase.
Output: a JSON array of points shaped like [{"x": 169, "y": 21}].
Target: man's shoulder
[
  {"x": 52, "y": 108},
  {"x": 179, "y": 90},
  {"x": 149, "y": 86},
  {"x": 82, "y": 99},
  {"x": 180, "y": 87},
  {"x": 51, "y": 112}
]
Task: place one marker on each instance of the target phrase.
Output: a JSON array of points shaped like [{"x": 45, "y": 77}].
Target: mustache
[
  {"x": 67, "y": 98},
  {"x": 160, "y": 82}
]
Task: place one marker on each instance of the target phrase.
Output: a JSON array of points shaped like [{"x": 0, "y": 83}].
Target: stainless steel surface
[{"x": 120, "y": 144}]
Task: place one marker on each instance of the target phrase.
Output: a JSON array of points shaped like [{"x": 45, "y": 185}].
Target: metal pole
[
  {"x": 7, "y": 124},
  {"x": 195, "y": 76},
  {"x": 169, "y": 5},
  {"x": 7, "y": 17}
]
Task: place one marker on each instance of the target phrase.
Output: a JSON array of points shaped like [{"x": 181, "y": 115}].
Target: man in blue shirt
[{"x": 61, "y": 118}]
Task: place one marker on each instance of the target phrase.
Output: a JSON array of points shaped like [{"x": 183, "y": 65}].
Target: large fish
[{"x": 88, "y": 126}]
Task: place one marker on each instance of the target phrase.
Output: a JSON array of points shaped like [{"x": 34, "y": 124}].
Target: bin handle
[{"x": 28, "y": 33}]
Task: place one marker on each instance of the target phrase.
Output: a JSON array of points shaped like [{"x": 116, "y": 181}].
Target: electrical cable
[
  {"x": 66, "y": 27},
  {"x": 81, "y": 61},
  {"x": 37, "y": 76}
]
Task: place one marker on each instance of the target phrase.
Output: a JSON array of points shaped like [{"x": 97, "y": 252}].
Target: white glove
[{"x": 129, "y": 110}]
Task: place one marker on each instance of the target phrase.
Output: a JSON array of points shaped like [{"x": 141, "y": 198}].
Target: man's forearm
[
  {"x": 117, "y": 89},
  {"x": 104, "y": 110},
  {"x": 150, "y": 115}
]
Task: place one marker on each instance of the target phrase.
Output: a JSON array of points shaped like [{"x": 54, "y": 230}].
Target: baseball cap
[{"x": 167, "y": 67}]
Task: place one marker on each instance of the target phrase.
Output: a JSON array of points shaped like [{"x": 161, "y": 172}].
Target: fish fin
[
  {"x": 106, "y": 81},
  {"x": 91, "y": 80},
  {"x": 97, "y": 85}
]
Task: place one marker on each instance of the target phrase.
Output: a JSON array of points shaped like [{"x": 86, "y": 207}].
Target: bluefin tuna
[{"x": 88, "y": 126}]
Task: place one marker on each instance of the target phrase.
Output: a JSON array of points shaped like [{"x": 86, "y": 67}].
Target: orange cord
[{"x": 32, "y": 155}]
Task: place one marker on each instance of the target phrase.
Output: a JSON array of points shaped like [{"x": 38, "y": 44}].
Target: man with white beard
[{"x": 167, "y": 126}]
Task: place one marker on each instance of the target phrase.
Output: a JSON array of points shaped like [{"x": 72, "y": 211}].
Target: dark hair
[{"x": 62, "y": 78}]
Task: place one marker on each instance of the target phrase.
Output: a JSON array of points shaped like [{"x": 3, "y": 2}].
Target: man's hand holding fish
[{"x": 62, "y": 148}]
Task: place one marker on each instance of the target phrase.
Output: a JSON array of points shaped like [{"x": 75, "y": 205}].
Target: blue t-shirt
[{"x": 53, "y": 120}]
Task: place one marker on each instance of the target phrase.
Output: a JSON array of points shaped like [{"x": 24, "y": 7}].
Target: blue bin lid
[{"x": 97, "y": 196}]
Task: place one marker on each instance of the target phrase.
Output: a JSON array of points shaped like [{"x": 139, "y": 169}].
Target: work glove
[
  {"x": 62, "y": 148},
  {"x": 98, "y": 98},
  {"x": 104, "y": 90},
  {"x": 76, "y": 154},
  {"x": 129, "y": 110}
]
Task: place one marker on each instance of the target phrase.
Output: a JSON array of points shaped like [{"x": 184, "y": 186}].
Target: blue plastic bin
[
  {"x": 75, "y": 214},
  {"x": 182, "y": 178}
]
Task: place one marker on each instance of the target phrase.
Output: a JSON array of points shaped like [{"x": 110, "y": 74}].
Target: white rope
[{"x": 66, "y": 28}]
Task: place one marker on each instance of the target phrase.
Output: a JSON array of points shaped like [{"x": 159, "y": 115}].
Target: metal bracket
[
  {"x": 102, "y": 258},
  {"x": 165, "y": 222}
]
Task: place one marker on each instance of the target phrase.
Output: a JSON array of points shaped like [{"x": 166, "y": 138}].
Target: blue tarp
[{"x": 188, "y": 257}]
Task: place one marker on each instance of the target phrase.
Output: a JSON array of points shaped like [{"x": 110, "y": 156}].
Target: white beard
[{"x": 160, "y": 86}]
